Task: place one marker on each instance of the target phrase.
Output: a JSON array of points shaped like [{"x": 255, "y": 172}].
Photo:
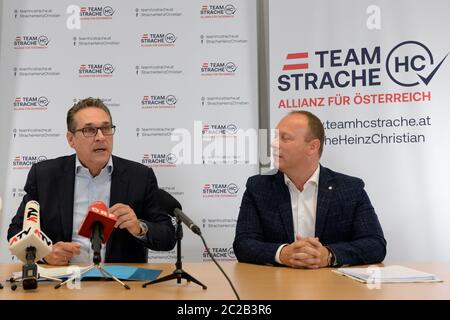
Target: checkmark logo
[{"x": 427, "y": 80}]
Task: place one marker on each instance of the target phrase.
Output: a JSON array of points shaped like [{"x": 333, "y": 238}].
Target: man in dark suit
[
  {"x": 66, "y": 186},
  {"x": 305, "y": 215}
]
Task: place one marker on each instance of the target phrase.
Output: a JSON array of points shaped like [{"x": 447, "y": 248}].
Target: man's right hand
[
  {"x": 302, "y": 253},
  {"x": 62, "y": 252}
]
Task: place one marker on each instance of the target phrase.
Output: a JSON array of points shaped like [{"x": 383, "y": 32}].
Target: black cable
[{"x": 229, "y": 281}]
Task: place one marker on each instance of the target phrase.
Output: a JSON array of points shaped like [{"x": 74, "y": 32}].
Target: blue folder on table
[{"x": 125, "y": 273}]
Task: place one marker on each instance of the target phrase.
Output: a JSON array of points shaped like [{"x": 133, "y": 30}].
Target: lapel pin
[{"x": 330, "y": 188}]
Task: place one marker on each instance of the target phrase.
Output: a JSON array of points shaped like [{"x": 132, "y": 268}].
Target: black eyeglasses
[{"x": 90, "y": 132}]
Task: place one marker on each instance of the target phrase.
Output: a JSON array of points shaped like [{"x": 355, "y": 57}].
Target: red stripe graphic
[
  {"x": 299, "y": 55},
  {"x": 296, "y": 66}
]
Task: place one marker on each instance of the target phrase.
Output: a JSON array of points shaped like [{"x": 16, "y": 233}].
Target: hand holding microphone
[
  {"x": 126, "y": 218},
  {"x": 97, "y": 226}
]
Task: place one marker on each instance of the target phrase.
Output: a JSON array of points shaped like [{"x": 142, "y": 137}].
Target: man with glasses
[{"x": 66, "y": 186}]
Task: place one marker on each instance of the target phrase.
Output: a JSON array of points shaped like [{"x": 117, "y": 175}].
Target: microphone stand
[
  {"x": 30, "y": 275},
  {"x": 96, "y": 240},
  {"x": 179, "y": 273}
]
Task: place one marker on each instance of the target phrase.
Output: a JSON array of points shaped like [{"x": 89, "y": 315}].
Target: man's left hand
[
  {"x": 126, "y": 218},
  {"x": 320, "y": 251}
]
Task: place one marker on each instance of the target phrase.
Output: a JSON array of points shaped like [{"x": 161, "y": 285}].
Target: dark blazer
[
  {"x": 345, "y": 220},
  {"x": 52, "y": 183}
]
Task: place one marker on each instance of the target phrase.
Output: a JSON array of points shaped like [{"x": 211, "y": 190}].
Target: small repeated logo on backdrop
[
  {"x": 223, "y": 101},
  {"x": 157, "y": 70},
  {"x": 24, "y": 162},
  {"x": 218, "y": 69},
  {"x": 219, "y": 223},
  {"x": 155, "y": 132},
  {"x": 96, "y": 70},
  {"x": 222, "y": 39},
  {"x": 219, "y": 130},
  {"x": 30, "y": 13},
  {"x": 163, "y": 12},
  {"x": 30, "y": 133},
  {"x": 407, "y": 64},
  {"x": 173, "y": 190},
  {"x": 220, "y": 190},
  {"x": 95, "y": 41},
  {"x": 219, "y": 253},
  {"x": 32, "y": 71},
  {"x": 162, "y": 256},
  {"x": 97, "y": 13},
  {"x": 31, "y": 42},
  {"x": 25, "y": 103},
  {"x": 160, "y": 160},
  {"x": 17, "y": 192},
  {"x": 217, "y": 11},
  {"x": 158, "y": 40},
  {"x": 159, "y": 102},
  {"x": 108, "y": 101}
]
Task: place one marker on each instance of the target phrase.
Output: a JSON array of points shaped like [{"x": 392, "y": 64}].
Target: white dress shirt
[
  {"x": 87, "y": 190},
  {"x": 304, "y": 207}
]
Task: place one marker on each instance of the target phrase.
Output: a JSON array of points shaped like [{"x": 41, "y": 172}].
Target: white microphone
[{"x": 31, "y": 235}]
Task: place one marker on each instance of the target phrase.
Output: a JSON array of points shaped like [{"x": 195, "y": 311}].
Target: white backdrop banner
[
  {"x": 377, "y": 74},
  {"x": 178, "y": 77}
]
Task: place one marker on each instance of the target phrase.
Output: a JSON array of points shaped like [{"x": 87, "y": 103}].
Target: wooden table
[{"x": 253, "y": 282}]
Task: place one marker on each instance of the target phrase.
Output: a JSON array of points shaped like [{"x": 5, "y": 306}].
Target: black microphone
[
  {"x": 96, "y": 241},
  {"x": 187, "y": 221},
  {"x": 171, "y": 206},
  {"x": 29, "y": 270}
]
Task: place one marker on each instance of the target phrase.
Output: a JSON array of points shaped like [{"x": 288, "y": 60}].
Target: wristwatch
[
  {"x": 331, "y": 258},
  {"x": 144, "y": 229}
]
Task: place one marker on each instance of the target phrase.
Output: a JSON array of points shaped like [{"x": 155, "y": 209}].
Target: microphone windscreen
[
  {"x": 98, "y": 212},
  {"x": 167, "y": 202},
  {"x": 30, "y": 238},
  {"x": 31, "y": 215}
]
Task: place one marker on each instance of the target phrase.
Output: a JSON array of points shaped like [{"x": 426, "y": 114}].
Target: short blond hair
[{"x": 315, "y": 126}]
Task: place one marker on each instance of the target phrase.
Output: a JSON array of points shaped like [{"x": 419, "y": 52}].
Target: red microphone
[{"x": 98, "y": 212}]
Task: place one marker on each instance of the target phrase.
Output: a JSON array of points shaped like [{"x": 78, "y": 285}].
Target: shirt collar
[
  {"x": 313, "y": 179},
  {"x": 79, "y": 167}
]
